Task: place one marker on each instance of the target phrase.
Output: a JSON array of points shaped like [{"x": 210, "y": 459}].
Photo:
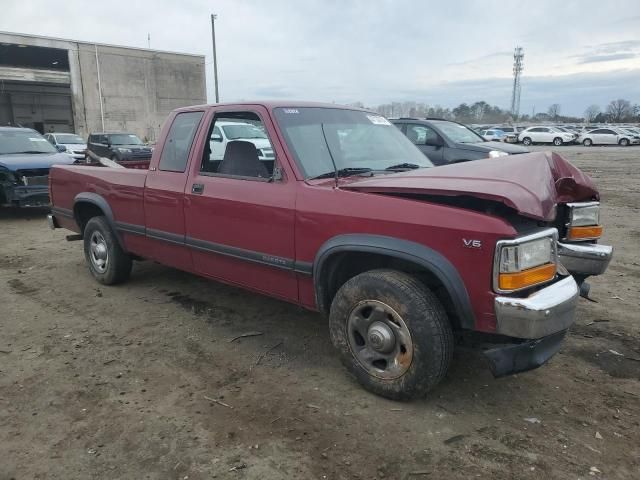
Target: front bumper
[
  {"x": 585, "y": 259},
  {"x": 31, "y": 196},
  {"x": 545, "y": 312}
]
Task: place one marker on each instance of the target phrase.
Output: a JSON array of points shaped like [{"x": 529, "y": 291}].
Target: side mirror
[
  {"x": 216, "y": 137},
  {"x": 61, "y": 148},
  {"x": 436, "y": 142}
]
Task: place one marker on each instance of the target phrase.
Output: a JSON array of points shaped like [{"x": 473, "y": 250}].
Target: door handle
[{"x": 197, "y": 188}]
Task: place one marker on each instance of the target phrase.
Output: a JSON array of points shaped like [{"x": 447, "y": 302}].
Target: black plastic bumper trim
[{"x": 520, "y": 357}]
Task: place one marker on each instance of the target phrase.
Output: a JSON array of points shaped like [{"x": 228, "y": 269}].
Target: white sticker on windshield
[
  {"x": 378, "y": 120},
  {"x": 290, "y": 110},
  {"x": 38, "y": 139}
]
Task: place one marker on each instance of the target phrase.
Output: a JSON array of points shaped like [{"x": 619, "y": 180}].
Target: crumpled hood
[
  {"x": 532, "y": 183},
  {"x": 22, "y": 161}
]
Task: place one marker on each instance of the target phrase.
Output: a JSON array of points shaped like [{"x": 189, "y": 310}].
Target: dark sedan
[{"x": 444, "y": 141}]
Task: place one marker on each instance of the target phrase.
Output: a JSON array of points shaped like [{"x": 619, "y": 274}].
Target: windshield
[
  {"x": 125, "y": 139},
  {"x": 354, "y": 139},
  {"x": 24, "y": 142},
  {"x": 234, "y": 132},
  {"x": 69, "y": 138},
  {"x": 458, "y": 133}
]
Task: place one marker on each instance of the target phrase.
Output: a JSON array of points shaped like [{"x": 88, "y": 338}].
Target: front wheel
[
  {"x": 526, "y": 141},
  {"x": 557, "y": 141},
  {"x": 587, "y": 142},
  {"x": 624, "y": 142},
  {"x": 392, "y": 333},
  {"x": 108, "y": 263}
]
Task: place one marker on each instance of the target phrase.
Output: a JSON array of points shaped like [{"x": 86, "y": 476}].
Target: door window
[
  {"x": 421, "y": 135},
  {"x": 238, "y": 146},
  {"x": 177, "y": 145}
]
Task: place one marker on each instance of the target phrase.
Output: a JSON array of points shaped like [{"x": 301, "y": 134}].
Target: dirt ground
[{"x": 144, "y": 380}]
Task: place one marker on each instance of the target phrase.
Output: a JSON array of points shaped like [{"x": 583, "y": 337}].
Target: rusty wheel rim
[{"x": 379, "y": 339}]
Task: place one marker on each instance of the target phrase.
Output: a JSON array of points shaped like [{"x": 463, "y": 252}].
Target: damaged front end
[{"x": 24, "y": 187}]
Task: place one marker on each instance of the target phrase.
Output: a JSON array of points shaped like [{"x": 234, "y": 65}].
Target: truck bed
[{"x": 122, "y": 188}]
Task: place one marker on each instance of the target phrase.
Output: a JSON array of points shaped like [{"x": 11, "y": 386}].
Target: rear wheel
[
  {"x": 587, "y": 142},
  {"x": 526, "y": 141},
  {"x": 624, "y": 142},
  {"x": 392, "y": 333},
  {"x": 108, "y": 263},
  {"x": 557, "y": 141}
]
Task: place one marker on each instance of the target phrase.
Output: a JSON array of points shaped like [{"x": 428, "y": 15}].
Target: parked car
[
  {"x": 69, "y": 143},
  {"x": 510, "y": 133},
  {"x": 540, "y": 134},
  {"x": 573, "y": 134},
  {"x": 492, "y": 135},
  {"x": 607, "y": 136},
  {"x": 444, "y": 142},
  {"x": 124, "y": 148},
  {"x": 634, "y": 132},
  {"x": 25, "y": 160},
  {"x": 405, "y": 259},
  {"x": 225, "y": 132}
]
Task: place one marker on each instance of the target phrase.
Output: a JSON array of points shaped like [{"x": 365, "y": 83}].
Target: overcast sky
[{"x": 440, "y": 52}]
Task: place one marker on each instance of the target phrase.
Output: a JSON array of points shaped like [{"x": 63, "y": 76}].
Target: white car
[
  {"x": 69, "y": 143},
  {"x": 607, "y": 136},
  {"x": 545, "y": 135},
  {"x": 225, "y": 132},
  {"x": 492, "y": 135}
]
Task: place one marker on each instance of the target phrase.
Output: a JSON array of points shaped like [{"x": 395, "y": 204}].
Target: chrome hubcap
[
  {"x": 99, "y": 254},
  {"x": 379, "y": 339}
]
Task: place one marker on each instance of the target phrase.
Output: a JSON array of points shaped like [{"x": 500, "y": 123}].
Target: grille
[
  {"x": 39, "y": 180},
  {"x": 32, "y": 172}
]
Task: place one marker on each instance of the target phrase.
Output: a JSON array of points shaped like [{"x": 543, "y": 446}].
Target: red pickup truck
[{"x": 332, "y": 208}]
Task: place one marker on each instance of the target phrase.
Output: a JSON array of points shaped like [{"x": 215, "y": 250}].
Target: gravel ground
[{"x": 144, "y": 380}]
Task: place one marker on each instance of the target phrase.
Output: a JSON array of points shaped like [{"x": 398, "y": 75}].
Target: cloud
[
  {"x": 483, "y": 58},
  {"x": 374, "y": 52},
  {"x": 606, "y": 58}
]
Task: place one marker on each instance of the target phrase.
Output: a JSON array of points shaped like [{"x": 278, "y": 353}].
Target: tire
[
  {"x": 624, "y": 142},
  {"x": 557, "y": 141},
  {"x": 587, "y": 142},
  {"x": 422, "y": 335},
  {"x": 108, "y": 263},
  {"x": 526, "y": 141}
]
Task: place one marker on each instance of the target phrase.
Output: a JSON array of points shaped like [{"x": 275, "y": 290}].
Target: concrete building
[{"x": 68, "y": 86}]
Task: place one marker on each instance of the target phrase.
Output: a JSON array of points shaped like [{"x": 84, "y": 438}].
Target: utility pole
[
  {"x": 149, "y": 40},
  {"x": 518, "y": 56},
  {"x": 215, "y": 56},
  {"x": 99, "y": 88}
]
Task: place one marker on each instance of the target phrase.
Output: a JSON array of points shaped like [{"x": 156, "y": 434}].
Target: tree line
[{"x": 617, "y": 111}]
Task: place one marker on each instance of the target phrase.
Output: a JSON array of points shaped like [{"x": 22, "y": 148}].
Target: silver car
[
  {"x": 607, "y": 136},
  {"x": 69, "y": 143}
]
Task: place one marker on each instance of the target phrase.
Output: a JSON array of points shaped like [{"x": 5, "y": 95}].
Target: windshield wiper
[
  {"x": 342, "y": 172},
  {"x": 403, "y": 166}
]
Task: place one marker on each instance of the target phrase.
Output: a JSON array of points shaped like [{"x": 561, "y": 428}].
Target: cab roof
[{"x": 271, "y": 104}]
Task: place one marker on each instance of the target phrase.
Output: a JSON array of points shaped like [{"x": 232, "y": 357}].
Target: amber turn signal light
[
  {"x": 527, "y": 278},
  {"x": 584, "y": 233}
]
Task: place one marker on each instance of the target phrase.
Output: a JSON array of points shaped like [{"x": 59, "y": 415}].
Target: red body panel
[{"x": 278, "y": 224}]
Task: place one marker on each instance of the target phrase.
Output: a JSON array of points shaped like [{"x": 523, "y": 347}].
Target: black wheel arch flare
[{"x": 408, "y": 251}]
